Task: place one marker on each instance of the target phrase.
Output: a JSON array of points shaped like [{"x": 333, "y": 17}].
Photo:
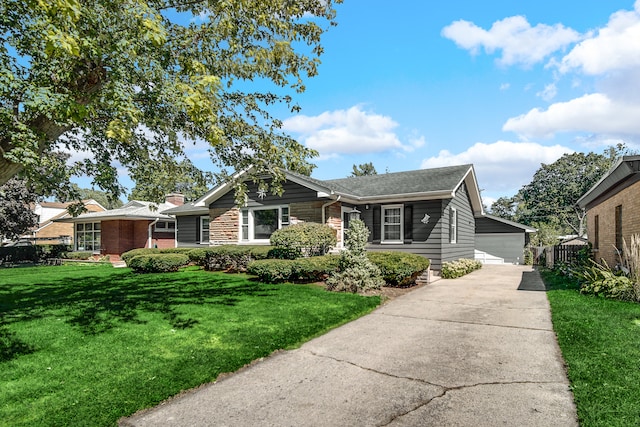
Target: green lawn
[
  {"x": 87, "y": 345},
  {"x": 600, "y": 342}
]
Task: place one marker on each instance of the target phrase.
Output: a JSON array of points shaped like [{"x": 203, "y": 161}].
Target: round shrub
[
  {"x": 312, "y": 269},
  {"x": 305, "y": 239},
  {"x": 135, "y": 252},
  {"x": 399, "y": 269},
  {"x": 78, "y": 255},
  {"x": 158, "y": 263},
  {"x": 232, "y": 257}
]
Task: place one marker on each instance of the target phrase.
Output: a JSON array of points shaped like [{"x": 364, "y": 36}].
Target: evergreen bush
[
  {"x": 399, "y": 269},
  {"x": 305, "y": 239},
  {"x": 157, "y": 262}
]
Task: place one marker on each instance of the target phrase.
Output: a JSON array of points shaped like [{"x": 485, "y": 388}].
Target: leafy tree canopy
[
  {"x": 16, "y": 217},
  {"x": 364, "y": 169},
  {"x": 123, "y": 80},
  {"x": 154, "y": 181},
  {"x": 101, "y": 197}
]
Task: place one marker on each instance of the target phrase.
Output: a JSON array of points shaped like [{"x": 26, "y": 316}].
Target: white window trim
[
  {"x": 453, "y": 226},
  {"x": 205, "y": 242},
  {"x": 250, "y": 218},
  {"x": 93, "y": 233},
  {"x": 382, "y": 223},
  {"x": 171, "y": 224}
]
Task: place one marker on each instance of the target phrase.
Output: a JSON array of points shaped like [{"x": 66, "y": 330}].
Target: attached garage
[{"x": 500, "y": 241}]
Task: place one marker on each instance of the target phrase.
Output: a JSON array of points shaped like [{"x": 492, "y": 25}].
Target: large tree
[
  {"x": 122, "y": 80},
  {"x": 16, "y": 215},
  {"x": 154, "y": 181},
  {"x": 364, "y": 169}
]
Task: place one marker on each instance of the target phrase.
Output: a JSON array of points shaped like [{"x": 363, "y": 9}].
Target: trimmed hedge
[
  {"x": 304, "y": 239},
  {"x": 399, "y": 269},
  {"x": 228, "y": 257},
  {"x": 127, "y": 256},
  {"x": 459, "y": 268},
  {"x": 157, "y": 262},
  {"x": 312, "y": 269},
  {"x": 79, "y": 255},
  {"x": 33, "y": 253}
]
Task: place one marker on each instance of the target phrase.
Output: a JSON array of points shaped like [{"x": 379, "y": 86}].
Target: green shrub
[
  {"x": 17, "y": 254},
  {"x": 231, "y": 257},
  {"x": 454, "y": 269},
  {"x": 176, "y": 251},
  {"x": 304, "y": 239},
  {"x": 601, "y": 280},
  {"x": 356, "y": 272},
  {"x": 157, "y": 262},
  {"x": 399, "y": 269},
  {"x": 126, "y": 257},
  {"x": 312, "y": 269},
  {"x": 79, "y": 255}
]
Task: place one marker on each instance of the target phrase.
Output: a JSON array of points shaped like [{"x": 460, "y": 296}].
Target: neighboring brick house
[
  {"x": 137, "y": 224},
  {"x": 430, "y": 212},
  {"x": 613, "y": 209},
  {"x": 49, "y": 230}
]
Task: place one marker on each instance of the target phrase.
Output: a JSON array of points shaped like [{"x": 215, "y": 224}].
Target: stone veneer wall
[
  {"x": 224, "y": 226},
  {"x": 333, "y": 215}
]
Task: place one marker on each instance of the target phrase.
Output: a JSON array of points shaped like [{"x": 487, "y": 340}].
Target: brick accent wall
[
  {"x": 120, "y": 236},
  {"x": 224, "y": 226},
  {"x": 630, "y": 202}
]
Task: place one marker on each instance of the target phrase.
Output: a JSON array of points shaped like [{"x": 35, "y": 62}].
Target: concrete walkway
[{"x": 474, "y": 351}]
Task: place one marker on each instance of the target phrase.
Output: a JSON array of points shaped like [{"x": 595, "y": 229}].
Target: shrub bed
[
  {"x": 399, "y": 269},
  {"x": 454, "y": 269},
  {"x": 157, "y": 262},
  {"x": 32, "y": 253},
  {"x": 229, "y": 257},
  {"x": 305, "y": 239},
  {"x": 127, "y": 256},
  {"x": 79, "y": 255},
  {"x": 312, "y": 269}
]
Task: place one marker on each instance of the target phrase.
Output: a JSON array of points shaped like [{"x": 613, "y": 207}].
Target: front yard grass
[
  {"x": 87, "y": 345},
  {"x": 600, "y": 343}
]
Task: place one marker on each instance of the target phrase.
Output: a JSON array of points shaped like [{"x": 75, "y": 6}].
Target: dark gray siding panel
[
  {"x": 293, "y": 193},
  {"x": 426, "y": 238},
  {"x": 188, "y": 230},
  {"x": 488, "y": 225},
  {"x": 465, "y": 244}
]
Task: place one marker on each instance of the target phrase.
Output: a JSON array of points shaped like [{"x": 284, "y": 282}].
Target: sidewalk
[{"x": 473, "y": 351}]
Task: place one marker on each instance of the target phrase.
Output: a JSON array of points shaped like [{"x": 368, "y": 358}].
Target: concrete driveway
[{"x": 474, "y": 351}]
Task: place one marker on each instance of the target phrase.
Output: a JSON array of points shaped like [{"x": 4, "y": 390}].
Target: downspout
[
  {"x": 327, "y": 205},
  {"x": 150, "y": 232}
]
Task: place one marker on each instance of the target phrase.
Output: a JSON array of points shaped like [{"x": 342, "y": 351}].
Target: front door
[{"x": 345, "y": 225}]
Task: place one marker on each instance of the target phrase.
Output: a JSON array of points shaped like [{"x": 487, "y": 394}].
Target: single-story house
[
  {"x": 137, "y": 224},
  {"x": 49, "y": 230},
  {"x": 613, "y": 209},
  {"x": 431, "y": 212},
  {"x": 500, "y": 241}
]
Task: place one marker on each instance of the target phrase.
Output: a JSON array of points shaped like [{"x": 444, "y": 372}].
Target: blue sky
[{"x": 505, "y": 85}]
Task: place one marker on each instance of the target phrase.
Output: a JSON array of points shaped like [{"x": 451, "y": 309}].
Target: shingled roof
[{"x": 422, "y": 184}]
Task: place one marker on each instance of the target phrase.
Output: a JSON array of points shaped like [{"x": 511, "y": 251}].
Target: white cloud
[
  {"x": 505, "y": 86},
  {"x": 595, "y": 113},
  {"x": 351, "y": 131},
  {"x": 614, "y": 47},
  {"x": 502, "y": 166},
  {"x": 549, "y": 92},
  {"x": 519, "y": 42}
]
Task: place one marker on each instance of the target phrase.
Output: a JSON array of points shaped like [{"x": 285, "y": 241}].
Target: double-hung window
[
  {"x": 392, "y": 224},
  {"x": 258, "y": 224},
  {"x": 204, "y": 229}
]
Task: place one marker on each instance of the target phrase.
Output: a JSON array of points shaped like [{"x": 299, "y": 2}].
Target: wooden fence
[{"x": 548, "y": 256}]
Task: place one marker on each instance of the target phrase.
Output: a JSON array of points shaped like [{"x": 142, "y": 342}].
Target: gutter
[
  {"x": 327, "y": 205},
  {"x": 150, "y": 232}
]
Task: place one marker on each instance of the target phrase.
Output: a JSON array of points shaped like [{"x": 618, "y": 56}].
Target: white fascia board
[{"x": 474, "y": 191}]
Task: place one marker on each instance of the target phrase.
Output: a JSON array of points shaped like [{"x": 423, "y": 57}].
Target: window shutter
[
  {"x": 408, "y": 224},
  {"x": 376, "y": 224}
]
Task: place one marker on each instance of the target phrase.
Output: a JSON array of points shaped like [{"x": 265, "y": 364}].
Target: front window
[
  {"x": 165, "y": 227},
  {"x": 88, "y": 236},
  {"x": 258, "y": 224},
  {"x": 392, "y": 223},
  {"x": 204, "y": 229}
]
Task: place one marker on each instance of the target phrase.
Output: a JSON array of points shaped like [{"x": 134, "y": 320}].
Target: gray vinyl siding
[
  {"x": 488, "y": 225},
  {"x": 188, "y": 230},
  {"x": 293, "y": 193},
  {"x": 427, "y": 238},
  {"x": 465, "y": 243}
]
